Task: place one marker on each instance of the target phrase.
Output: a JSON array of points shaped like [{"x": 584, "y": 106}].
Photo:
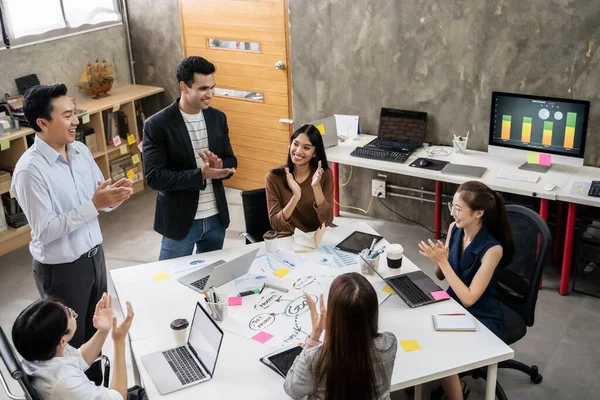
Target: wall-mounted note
[
  {"x": 130, "y": 139},
  {"x": 130, "y": 174},
  {"x": 135, "y": 159}
]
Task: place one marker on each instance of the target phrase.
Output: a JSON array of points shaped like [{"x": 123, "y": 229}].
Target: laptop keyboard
[
  {"x": 184, "y": 365},
  {"x": 378, "y": 154},
  {"x": 200, "y": 283},
  {"x": 409, "y": 289}
]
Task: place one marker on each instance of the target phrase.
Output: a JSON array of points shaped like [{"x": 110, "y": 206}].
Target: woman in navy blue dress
[{"x": 479, "y": 242}]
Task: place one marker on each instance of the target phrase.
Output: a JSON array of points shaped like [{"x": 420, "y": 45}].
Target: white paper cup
[
  {"x": 270, "y": 239},
  {"x": 394, "y": 253},
  {"x": 180, "y": 328}
]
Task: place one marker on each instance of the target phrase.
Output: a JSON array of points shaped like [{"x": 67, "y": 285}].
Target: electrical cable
[
  {"x": 347, "y": 180},
  {"x": 357, "y": 208}
]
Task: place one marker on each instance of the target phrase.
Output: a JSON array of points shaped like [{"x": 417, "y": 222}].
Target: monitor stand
[{"x": 535, "y": 167}]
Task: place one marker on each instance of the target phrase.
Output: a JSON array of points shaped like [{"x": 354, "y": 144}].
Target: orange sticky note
[
  {"x": 321, "y": 129},
  {"x": 410, "y": 345},
  {"x": 130, "y": 174},
  {"x": 160, "y": 277},
  {"x": 388, "y": 289},
  {"x": 281, "y": 272}
]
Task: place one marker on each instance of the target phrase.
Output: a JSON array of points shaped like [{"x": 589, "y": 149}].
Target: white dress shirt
[
  {"x": 56, "y": 197},
  {"x": 63, "y": 378}
]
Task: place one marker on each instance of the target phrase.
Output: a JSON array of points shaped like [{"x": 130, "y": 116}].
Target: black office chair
[
  {"x": 256, "y": 215},
  {"x": 518, "y": 285},
  {"x": 15, "y": 370}
]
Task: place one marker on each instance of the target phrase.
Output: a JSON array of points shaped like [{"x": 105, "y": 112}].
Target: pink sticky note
[
  {"x": 262, "y": 337},
  {"x": 545, "y": 159},
  {"x": 116, "y": 140},
  {"x": 440, "y": 295},
  {"x": 235, "y": 301}
]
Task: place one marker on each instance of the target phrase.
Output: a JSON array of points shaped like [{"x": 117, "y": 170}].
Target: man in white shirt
[{"x": 41, "y": 334}]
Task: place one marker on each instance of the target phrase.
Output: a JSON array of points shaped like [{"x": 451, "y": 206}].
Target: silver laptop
[
  {"x": 328, "y": 129},
  {"x": 188, "y": 365},
  {"x": 219, "y": 272}
]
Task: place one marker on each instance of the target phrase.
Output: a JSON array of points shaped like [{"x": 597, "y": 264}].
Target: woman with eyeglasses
[
  {"x": 300, "y": 194},
  {"x": 41, "y": 334},
  {"x": 479, "y": 242}
]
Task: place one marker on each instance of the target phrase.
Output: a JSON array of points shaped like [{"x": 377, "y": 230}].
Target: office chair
[
  {"x": 15, "y": 370},
  {"x": 256, "y": 215},
  {"x": 518, "y": 285}
]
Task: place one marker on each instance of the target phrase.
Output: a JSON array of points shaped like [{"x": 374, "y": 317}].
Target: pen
[
  {"x": 372, "y": 245},
  {"x": 453, "y": 315},
  {"x": 375, "y": 253},
  {"x": 249, "y": 292},
  {"x": 270, "y": 285}
]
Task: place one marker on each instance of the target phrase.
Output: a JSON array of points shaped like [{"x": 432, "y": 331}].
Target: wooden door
[{"x": 247, "y": 40}]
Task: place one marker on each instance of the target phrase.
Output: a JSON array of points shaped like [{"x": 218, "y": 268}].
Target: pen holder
[
  {"x": 460, "y": 146},
  {"x": 218, "y": 311},
  {"x": 364, "y": 267}
]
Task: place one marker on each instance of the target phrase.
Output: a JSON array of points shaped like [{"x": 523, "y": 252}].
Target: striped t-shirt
[{"x": 207, "y": 203}]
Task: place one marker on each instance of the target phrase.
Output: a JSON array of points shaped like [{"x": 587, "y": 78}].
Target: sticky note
[
  {"x": 545, "y": 159},
  {"x": 116, "y": 140},
  {"x": 116, "y": 107},
  {"x": 410, "y": 345},
  {"x": 123, "y": 149},
  {"x": 160, "y": 277},
  {"x": 130, "y": 174},
  {"x": 135, "y": 159},
  {"x": 130, "y": 139},
  {"x": 4, "y": 145},
  {"x": 440, "y": 295},
  {"x": 262, "y": 337},
  {"x": 533, "y": 158},
  {"x": 85, "y": 118},
  {"x": 281, "y": 272},
  {"x": 321, "y": 129},
  {"x": 388, "y": 289},
  {"x": 235, "y": 301},
  {"x": 140, "y": 147}
]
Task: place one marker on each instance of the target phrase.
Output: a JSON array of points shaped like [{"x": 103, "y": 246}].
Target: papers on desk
[
  {"x": 308, "y": 241},
  {"x": 580, "y": 189},
  {"x": 454, "y": 322},
  {"x": 347, "y": 126}
]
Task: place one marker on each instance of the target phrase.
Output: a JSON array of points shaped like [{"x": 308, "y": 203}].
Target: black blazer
[{"x": 170, "y": 168}]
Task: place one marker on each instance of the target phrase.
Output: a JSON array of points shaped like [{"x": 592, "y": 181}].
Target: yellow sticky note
[
  {"x": 135, "y": 159},
  {"x": 161, "y": 277},
  {"x": 116, "y": 107},
  {"x": 85, "y": 118},
  {"x": 4, "y": 145},
  {"x": 533, "y": 158},
  {"x": 321, "y": 129},
  {"x": 410, "y": 345},
  {"x": 130, "y": 174},
  {"x": 281, "y": 272},
  {"x": 123, "y": 150},
  {"x": 388, "y": 289},
  {"x": 130, "y": 139}
]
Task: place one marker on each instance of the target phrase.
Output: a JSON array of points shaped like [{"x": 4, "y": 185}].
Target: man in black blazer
[{"x": 187, "y": 154}]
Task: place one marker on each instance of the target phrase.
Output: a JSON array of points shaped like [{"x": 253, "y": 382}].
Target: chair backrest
[
  {"x": 13, "y": 365},
  {"x": 518, "y": 282},
  {"x": 256, "y": 214}
]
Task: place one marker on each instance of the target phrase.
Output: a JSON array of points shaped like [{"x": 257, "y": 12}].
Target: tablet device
[
  {"x": 357, "y": 242},
  {"x": 281, "y": 361}
]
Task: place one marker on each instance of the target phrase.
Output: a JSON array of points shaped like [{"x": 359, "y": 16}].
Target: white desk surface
[
  {"x": 558, "y": 174},
  {"x": 239, "y": 374},
  {"x": 584, "y": 174}
]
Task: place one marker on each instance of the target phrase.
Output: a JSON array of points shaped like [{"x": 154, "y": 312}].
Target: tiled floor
[{"x": 563, "y": 342}]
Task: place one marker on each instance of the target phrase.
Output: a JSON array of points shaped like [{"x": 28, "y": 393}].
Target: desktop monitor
[{"x": 540, "y": 124}]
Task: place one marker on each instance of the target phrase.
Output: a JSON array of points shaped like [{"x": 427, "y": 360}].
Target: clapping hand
[
  {"x": 103, "y": 314},
  {"x": 436, "y": 252},
  {"x": 119, "y": 332},
  {"x": 291, "y": 181},
  {"x": 317, "y": 319},
  {"x": 316, "y": 179},
  {"x": 213, "y": 166}
]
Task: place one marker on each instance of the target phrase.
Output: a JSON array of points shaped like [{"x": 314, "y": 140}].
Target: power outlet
[{"x": 378, "y": 188}]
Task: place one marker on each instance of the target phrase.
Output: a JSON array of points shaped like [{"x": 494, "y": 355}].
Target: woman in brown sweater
[{"x": 300, "y": 194}]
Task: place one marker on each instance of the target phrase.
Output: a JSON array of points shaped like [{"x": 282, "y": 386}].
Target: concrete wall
[
  {"x": 444, "y": 57},
  {"x": 64, "y": 60}
]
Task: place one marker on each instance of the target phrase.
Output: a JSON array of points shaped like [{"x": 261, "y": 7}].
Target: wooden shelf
[
  {"x": 14, "y": 238},
  {"x": 4, "y": 187}
]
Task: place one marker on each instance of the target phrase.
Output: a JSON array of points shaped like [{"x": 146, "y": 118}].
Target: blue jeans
[{"x": 207, "y": 234}]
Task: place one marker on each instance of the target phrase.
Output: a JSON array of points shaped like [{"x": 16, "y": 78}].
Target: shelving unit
[{"x": 123, "y": 99}]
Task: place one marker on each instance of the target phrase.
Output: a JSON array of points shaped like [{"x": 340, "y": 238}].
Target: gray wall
[
  {"x": 444, "y": 57},
  {"x": 63, "y": 60}
]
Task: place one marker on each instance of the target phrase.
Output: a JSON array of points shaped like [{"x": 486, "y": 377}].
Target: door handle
[
  {"x": 286, "y": 121},
  {"x": 279, "y": 65}
]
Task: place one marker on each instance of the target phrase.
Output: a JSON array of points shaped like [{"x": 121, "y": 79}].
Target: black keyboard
[
  {"x": 200, "y": 283},
  {"x": 394, "y": 145},
  {"x": 409, "y": 289},
  {"x": 184, "y": 365},
  {"x": 378, "y": 154}
]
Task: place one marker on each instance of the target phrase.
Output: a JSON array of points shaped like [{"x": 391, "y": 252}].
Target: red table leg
[
  {"x": 558, "y": 230},
  {"x": 565, "y": 273},
  {"x": 336, "y": 189},
  {"x": 544, "y": 203},
  {"x": 437, "y": 218}
]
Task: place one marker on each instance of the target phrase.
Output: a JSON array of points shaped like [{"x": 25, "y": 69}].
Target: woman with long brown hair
[
  {"x": 478, "y": 244},
  {"x": 355, "y": 361}
]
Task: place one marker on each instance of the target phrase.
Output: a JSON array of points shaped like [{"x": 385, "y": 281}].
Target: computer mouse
[
  {"x": 423, "y": 162},
  {"x": 549, "y": 186}
]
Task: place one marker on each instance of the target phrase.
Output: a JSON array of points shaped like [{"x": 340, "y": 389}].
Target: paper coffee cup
[
  {"x": 270, "y": 239},
  {"x": 394, "y": 253},
  {"x": 179, "y": 327}
]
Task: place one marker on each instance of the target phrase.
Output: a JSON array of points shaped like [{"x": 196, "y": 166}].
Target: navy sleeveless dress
[{"x": 487, "y": 309}]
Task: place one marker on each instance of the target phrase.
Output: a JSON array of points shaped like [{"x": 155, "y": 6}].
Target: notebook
[{"x": 454, "y": 322}]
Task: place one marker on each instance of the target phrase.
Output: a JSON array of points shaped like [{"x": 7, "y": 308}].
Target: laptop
[
  {"x": 219, "y": 272},
  {"x": 414, "y": 288},
  {"x": 328, "y": 129},
  {"x": 188, "y": 365},
  {"x": 400, "y": 130}
]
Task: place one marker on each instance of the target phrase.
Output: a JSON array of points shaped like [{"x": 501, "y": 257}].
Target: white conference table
[{"x": 239, "y": 374}]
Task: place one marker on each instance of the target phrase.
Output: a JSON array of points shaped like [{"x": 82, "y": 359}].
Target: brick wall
[{"x": 402, "y": 129}]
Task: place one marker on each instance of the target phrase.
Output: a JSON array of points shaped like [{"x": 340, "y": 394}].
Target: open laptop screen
[
  {"x": 205, "y": 339},
  {"x": 402, "y": 125}
]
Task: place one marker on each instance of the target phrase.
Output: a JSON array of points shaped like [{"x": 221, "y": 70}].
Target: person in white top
[{"x": 41, "y": 335}]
